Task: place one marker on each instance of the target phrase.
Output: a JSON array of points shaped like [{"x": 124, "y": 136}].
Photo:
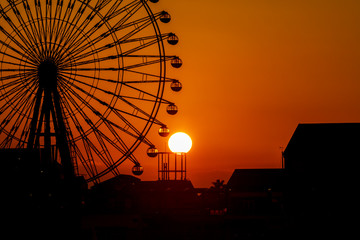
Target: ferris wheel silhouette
[{"x": 83, "y": 81}]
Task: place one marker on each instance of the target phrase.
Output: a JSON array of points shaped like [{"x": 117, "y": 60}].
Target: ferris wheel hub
[{"x": 47, "y": 74}]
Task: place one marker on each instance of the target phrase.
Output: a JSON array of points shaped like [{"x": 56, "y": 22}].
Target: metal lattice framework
[{"x": 83, "y": 80}]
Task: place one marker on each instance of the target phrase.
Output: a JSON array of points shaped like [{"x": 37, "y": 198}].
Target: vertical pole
[
  {"x": 162, "y": 167},
  {"x": 175, "y": 166},
  {"x": 168, "y": 166},
  {"x": 159, "y": 166},
  {"x": 185, "y": 165}
]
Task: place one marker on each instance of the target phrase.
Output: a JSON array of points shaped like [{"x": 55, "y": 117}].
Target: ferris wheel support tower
[{"x": 47, "y": 113}]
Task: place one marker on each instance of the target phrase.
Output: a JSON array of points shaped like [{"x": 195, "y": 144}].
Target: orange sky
[{"x": 253, "y": 70}]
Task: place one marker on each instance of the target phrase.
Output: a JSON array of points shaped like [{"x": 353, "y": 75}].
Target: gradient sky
[{"x": 253, "y": 70}]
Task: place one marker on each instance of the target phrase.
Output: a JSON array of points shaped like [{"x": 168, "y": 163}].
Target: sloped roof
[
  {"x": 324, "y": 133},
  {"x": 324, "y": 143}
]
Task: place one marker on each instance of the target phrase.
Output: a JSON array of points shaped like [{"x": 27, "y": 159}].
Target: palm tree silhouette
[{"x": 218, "y": 185}]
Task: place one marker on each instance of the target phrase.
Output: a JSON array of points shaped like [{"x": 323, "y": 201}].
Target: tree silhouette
[{"x": 218, "y": 185}]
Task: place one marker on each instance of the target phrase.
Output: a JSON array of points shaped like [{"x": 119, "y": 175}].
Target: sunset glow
[
  {"x": 242, "y": 76},
  {"x": 253, "y": 70},
  {"x": 180, "y": 143}
]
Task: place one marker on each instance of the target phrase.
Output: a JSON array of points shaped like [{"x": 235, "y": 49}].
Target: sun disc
[{"x": 180, "y": 142}]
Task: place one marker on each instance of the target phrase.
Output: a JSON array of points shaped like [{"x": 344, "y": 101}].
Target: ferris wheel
[{"x": 82, "y": 81}]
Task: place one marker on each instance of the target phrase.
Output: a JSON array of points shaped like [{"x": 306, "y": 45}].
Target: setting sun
[{"x": 180, "y": 142}]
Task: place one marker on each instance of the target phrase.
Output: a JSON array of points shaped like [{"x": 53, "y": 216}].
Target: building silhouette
[
  {"x": 256, "y": 192},
  {"x": 320, "y": 163},
  {"x": 312, "y": 196}
]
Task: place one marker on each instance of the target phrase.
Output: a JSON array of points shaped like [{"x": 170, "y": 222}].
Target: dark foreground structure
[
  {"x": 312, "y": 197},
  {"x": 320, "y": 163}
]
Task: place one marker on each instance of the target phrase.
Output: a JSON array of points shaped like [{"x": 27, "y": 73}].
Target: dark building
[
  {"x": 256, "y": 192},
  {"x": 115, "y": 195},
  {"x": 35, "y": 200},
  {"x": 128, "y": 194},
  {"x": 320, "y": 161},
  {"x": 255, "y": 203},
  {"x": 26, "y": 181},
  {"x": 124, "y": 207}
]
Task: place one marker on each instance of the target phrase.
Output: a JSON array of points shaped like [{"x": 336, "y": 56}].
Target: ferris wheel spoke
[
  {"x": 19, "y": 118},
  {"x": 23, "y": 67},
  {"x": 35, "y": 31},
  {"x": 25, "y": 132},
  {"x": 140, "y": 47},
  {"x": 70, "y": 26},
  {"x": 107, "y": 123},
  {"x": 117, "y": 111},
  {"x": 112, "y": 13},
  {"x": 118, "y": 9},
  {"x": 145, "y": 22},
  {"x": 145, "y": 63},
  {"x": 29, "y": 35},
  {"x": 58, "y": 25},
  {"x": 117, "y": 143},
  {"x": 108, "y": 161},
  {"x": 101, "y": 154},
  {"x": 14, "y": 87},
  {"x": 153, "y": 40},
  {"x": 20, "y": 99},
  {"x": 142, "y": 91},
  {"x": 42, "y": 25},
  {"x": 166, "y": 79},
  {"x": 140, "y": 23},
  {"x": 138, "y": 109},
  {"x": 51, "y": 21},
  {"x": 67, "y": 82},
  {"x": 87, "y": 162},
  {"x": 101, "y": 4},
  {"x": 48, "y": 20},
  {"x": 17, "y": 52},
  {"x": 138, "y": 65},
  {"x": 64, "y": 72},
  {"x": 79, "y": 53},
  {"x": 16, "y": 114},
  {"x": 14, "y": 76},
  {"x": 92, "y": 150},
  {"x": 163, "y": 36},
  {"x": 104, "y": 154},
  {"x": 112, "y": 57},
  {"x": 27, "y": 48},
  {"x": 55, "y": 25},
  {"x": 65, "y": 24},
  {"x": 71, "y": 110},
  {"x": 73, "y": 37},
  {"x": 136, "y": 133},
  {"x": 153, "y": 97}
]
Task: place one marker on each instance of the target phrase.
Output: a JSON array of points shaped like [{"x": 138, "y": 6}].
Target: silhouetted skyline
[{"x": 255, "y": 69}]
